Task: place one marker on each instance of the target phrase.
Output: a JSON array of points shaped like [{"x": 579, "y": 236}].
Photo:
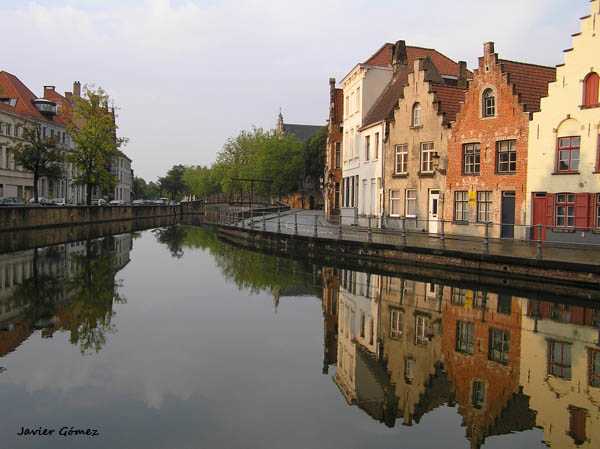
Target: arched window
[
  {"x": 488, "y": 104},
  {"x": 416, "y": 115},
  {"x": 591, "y": 84}
]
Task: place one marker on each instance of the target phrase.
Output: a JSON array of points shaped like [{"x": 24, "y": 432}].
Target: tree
[
  {"x": 314, "y": 155},
  {"x": 173, "y": 183},
  {"x": 202, "y": 181},
  {"x": 39, "y": 155},
  {"x": 93, "y": 130}
]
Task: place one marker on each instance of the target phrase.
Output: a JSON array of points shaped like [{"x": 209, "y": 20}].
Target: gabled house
[
  {"x": 563, "y": 187},
  {"x": 487, "y": 152}
]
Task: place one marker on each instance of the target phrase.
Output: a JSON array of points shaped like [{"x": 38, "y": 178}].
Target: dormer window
[
  {"x": 45, "y": 107},
  {"x": 488, "y": 103},
  {"x": 416, "y": 115},
  {"x": 12, "y": 102},
  {"x": 591, "y": 86}
]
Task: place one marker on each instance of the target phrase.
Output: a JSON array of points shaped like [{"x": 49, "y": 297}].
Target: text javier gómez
[{"x": 65, "y": 431}]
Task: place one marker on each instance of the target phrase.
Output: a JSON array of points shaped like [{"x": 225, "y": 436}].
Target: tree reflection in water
[{"x": 72, "y": 288}]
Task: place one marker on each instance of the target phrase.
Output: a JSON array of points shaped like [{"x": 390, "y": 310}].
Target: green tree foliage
[
  {"x": 314, "y": 155},
  {"x": 202, "y": 181},
  {"x": 172, "y": 183},
  {"x": 93, "y": 131},
  {"x": 39, "y": 155},
  {"x": 143, "y": 190}
]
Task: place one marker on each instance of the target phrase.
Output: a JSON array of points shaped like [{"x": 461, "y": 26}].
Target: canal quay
[{"x": 168, "y": 334}]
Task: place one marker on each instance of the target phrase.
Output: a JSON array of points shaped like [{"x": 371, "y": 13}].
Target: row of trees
[
  {"x": 256, "y": 154},
  {"x": 93, "y": 131}
]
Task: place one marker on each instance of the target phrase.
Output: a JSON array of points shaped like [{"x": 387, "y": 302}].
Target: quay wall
[{"x": 20, "y": 218}]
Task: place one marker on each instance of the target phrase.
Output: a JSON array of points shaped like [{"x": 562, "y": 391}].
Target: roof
[
  {"x": 387, "y": 101},
  {"x": 529, "y": 80},
  {"x": 448, "y": 99},
  {"x": 12, "y": 87},
  {"x": 65, "y": 111},
  {"x": 302, "y": 132}
]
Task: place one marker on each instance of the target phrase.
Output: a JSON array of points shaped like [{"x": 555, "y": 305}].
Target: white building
[{"x": 362, "y": 157}]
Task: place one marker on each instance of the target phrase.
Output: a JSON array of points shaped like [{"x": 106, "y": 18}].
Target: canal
[{"x": 172, "y": 339}]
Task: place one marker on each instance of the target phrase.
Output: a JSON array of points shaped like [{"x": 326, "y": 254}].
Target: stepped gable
[{"x": 530, "y": 82}]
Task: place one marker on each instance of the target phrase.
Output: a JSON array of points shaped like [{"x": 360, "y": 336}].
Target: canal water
[{"x": 172, "y": 339}]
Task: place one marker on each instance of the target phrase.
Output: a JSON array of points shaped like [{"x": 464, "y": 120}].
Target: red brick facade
[
  {"x": 493, "y": 184},
  {"x": 333, "y": 155}
]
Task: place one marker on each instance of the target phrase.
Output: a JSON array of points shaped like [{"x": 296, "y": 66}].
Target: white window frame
[
  {"x": 376, "y": 142},
  {"x": 395, "y": 196},
  {"x": 427, "y": 151},
  {"x": 416, "y": 119},
  {"x": 396, "y": 318},
  {"x": 408, "y": 198},
  {"x": 402, "y": 153}
]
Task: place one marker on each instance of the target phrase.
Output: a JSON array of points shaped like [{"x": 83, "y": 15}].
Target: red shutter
[
  {"x": 582, "y": 208},
  {"x": 591, "y": 86}
]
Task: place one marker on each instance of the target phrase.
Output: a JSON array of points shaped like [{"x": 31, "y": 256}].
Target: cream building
[
  {"x": 560, "y": 372},
  {"x": 417, "y": 149},
  {"x": 361, "y": 176},
  {"x": 563, "y": 180}
]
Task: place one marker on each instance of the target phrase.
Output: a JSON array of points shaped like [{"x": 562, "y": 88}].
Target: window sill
[
  {"x": 491, "y": 117},
  {"x": 506, "y": 173},
  {"x": 416, "y": 127},
  {"x": 471, "y": 174},
  {"x": 590, "y": 106},
  {"x": 460, "y": 222},
  {"x": 426, "y": 174},
  {"x": 556, "y": 173},
  {"x": 400, "y": 175}
]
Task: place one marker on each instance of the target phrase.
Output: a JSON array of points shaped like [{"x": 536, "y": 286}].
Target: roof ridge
[{"x": 527, "y": 63}]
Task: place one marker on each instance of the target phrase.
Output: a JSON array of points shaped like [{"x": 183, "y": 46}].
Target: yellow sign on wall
[{"x": 472, "y": 198}]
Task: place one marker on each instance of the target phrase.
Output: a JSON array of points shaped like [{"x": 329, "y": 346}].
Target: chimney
[
  {"x": 462, "y": 75},
  {"x": 77, "y": 89},
  {"x": 399, "y": 57},
  {"x": 488, "y": 49},
  {"x": 48, "y": 89}
]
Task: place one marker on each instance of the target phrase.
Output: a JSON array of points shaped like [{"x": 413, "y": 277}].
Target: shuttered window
[{"x": 591, "y": 86}]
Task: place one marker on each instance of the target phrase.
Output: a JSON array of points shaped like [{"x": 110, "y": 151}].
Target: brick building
[
  {"x": 487, "y": 152},
  {"x": 563, "y": 187},
  {"x": 482, "y": 353},
  {"x": 333, "y": 153}
]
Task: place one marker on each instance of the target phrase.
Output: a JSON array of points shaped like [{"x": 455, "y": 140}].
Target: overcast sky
[{"x": 188, "y": 74}]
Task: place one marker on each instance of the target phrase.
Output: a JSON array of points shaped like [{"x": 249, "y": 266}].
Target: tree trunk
[{"x": 36, "y": 178}]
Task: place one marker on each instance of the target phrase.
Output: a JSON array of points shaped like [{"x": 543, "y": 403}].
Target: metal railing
[{"x": 502, "y": 239}]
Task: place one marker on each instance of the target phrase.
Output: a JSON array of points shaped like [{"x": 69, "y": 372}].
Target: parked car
[
  {"x": 138, "y": 202},
  {"x": 99, "y": 202},
  {"x": 11, "y": 201},
  {"x": 59, "y": 202},
  {"x": 116, "y": 203},
  {"x": 41, "y": 201}
]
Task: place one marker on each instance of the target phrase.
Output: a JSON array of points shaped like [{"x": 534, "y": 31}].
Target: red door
[{"x": 540, "y": 207}]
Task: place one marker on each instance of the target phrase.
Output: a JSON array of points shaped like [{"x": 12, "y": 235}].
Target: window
[
  {"x": 465, "y": 337},
  {"x": 594, "y": 368},
  {"x": 427, "y": 157},
  {"x": 478, "y": 394},
  {"x": 421, "y": 330},
  {"x": 565, "y": 209},
  {"x": 459, "y": 296},
  {"x": 504, "y": 304},
  {"x": 338, "y": 154},
  {"x": 591, "y": 85},
  {"x": 471, "y": 159},
  {"x": 410, "y": 206},
  {"x": 461, "y": 206},
  {"x": 347, "y": 105},
  {"x": 376, "y": 152},
  {"x": 395, "y": 323},
  {"x": 568, "y": 154},
  {"x": 367, "y": 147},
  {"x": 484, "y": 207},
  {"x": 409, "y": 369},
  {"x": 357, "y": 100},
  {"x": 506, "y": 156},
  {"x": 559, "y": 359},
  {"x": 402, "y": 159},
  {"x": 395, "y": 203},
  {"x": 416, "y": 115},
  {"x": 488, "y": 106},
  {"x": 499, "y": 345},
  {"x": 577, "y": 421},
  {"x": 363, "y": 324}
]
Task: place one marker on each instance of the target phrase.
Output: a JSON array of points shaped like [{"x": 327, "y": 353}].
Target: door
[
  {"x": 434, "y": 209},
  {"x": 507, "y": 230},
  {"x": 539, "y": 215}
]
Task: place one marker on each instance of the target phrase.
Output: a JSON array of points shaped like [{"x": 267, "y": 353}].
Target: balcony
[{"x": 46, "y": 107}]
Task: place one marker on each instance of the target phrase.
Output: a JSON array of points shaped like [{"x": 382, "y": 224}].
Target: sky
[{"x": 186, "y": 75}]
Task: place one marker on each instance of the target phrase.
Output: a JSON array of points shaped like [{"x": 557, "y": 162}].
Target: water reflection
[
  {"x": 69, "y": 288},
  {"x": 403, "y": 348},
  {"x": 403, "y": 354}
]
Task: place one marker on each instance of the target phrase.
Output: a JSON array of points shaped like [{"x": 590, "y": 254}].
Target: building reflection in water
[
  {"x": 402, "y": 348},
  {"x": 69, "y": 287}
]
